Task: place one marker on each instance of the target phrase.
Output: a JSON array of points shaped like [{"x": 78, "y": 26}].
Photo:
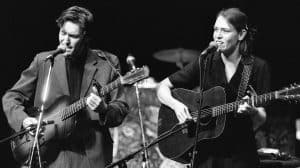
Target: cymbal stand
[{"x": 35, "y": 145}]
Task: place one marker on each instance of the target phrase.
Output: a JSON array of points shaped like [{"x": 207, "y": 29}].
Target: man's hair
[{"x": 79, "y": 15}]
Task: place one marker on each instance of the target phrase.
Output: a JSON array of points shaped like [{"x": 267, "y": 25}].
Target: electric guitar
[
  {"x": 62, "y": 113},
  {"x": 212, "y": 117}
]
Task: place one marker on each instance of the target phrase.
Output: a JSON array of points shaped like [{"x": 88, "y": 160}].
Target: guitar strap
[
  {"x": 248, "y": 64},
  {"x": 104, "y": 54}
]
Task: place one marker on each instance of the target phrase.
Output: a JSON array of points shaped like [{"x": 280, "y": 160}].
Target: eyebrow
[{"x": 73, "y": 35}]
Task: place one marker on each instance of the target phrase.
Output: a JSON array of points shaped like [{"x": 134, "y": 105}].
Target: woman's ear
[{"x": 242, "y": 34}]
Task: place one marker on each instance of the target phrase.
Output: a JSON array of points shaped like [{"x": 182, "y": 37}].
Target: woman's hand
[{"x": 182, "y": 112}]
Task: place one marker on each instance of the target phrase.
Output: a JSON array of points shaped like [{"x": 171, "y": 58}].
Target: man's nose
[{"x": 66, "y": 40}]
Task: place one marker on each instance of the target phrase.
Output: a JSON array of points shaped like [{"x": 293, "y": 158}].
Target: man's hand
[
  {"x": 93, "y": 101},
  {"x": 29, "y": 121}
]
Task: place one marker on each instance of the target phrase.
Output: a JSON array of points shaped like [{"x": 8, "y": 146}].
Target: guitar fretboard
[
  {"x": 81, "y": 103},
  {"x": 257, "y": 101}
]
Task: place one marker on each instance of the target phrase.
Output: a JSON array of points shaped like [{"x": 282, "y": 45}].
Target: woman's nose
[{"x": 219, "y": 34}]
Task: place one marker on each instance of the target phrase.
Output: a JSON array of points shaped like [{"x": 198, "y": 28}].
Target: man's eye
[
  {"x": 63, "y": 33},
  {"x": 74, "y": 36}
]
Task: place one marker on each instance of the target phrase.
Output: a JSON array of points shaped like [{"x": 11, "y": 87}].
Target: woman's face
[{"x": 226, "y": 36}]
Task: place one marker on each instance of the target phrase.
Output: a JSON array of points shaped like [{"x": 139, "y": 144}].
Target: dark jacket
[{"x": 90, "y": 144}]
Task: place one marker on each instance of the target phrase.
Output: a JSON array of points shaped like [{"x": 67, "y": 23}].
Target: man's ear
[{"x": 242, "y": 34}]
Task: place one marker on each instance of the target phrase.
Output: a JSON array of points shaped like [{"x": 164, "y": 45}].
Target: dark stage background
[{"x": 143, "y": 28}]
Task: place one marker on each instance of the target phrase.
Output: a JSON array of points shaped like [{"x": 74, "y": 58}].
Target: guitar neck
[
  {"x": 257, "y": 101},
  {"x": 81, "y": 103},
  {"x": 111, "y": 86}
]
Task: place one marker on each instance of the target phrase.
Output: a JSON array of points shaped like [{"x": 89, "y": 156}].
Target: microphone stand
[
  {"x": 200, "y": 100},
  {"x": 122, "y": 162},
  {"x": 45, "y": 92},
  {"x": 145, "y": 163},
  {"x": 24, "y": 131}
]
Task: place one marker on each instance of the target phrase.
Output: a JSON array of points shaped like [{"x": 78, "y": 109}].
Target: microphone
[
  {"x": 130, "y": 61},
  {"x": 46, "y": 122},
  {"x": 55, "y": 53},
  {"x": 211, "y": 47}
]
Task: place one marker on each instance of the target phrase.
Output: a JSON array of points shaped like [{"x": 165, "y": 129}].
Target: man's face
[
  {"x": 70, "y": 38},
  {"x": 225, "y": 35}
]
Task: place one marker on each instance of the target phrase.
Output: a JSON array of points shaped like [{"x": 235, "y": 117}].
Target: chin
[{"x": 69, "y": 53}]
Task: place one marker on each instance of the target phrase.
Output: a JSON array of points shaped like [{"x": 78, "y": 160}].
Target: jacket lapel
[{"x": 90, "y": 70}]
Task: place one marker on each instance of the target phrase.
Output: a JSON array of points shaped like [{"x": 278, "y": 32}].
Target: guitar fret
[
  {"x": 62, "y": 114},
  {"x": 76, "y": 107},
  {"x": 71, "y": 109}
]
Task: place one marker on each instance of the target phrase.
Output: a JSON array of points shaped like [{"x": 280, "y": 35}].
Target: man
[
  {"x": 235, "y": 146},
  {"x": 76, "y": 68}
]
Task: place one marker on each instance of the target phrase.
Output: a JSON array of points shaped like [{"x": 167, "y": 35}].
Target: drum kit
[{"x": 179, "y": 56}]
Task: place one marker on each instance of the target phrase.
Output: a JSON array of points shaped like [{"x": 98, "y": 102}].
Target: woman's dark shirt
[{"x": 237, "y": 139}]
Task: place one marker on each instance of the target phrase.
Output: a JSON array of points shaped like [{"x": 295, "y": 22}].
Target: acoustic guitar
[
  {"x": 62, "y": 113},
  {"x": 212, "y": 117}
]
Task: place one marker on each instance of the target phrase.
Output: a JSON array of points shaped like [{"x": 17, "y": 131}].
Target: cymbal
[{"x": 179, "y": 56}]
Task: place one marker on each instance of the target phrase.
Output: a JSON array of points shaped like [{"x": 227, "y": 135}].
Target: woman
[{"x": 235, "y": 147}]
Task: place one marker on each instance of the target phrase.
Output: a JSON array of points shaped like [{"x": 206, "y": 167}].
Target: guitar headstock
[
  {"x": 135, "y": 75},
  {"x": 290, "y": 93}
]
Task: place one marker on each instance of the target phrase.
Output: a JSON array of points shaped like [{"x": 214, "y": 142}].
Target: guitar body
[
  {"x": 49, "y": 135},
  {"x": 178, "y": 146}
]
